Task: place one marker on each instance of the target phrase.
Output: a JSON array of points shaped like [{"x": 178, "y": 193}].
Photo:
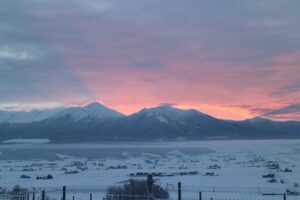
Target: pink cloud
[
  {"x": 129, "y": 64},
  {"x": 292, "y": 58}
]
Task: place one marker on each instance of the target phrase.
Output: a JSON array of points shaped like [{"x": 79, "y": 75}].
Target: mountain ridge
[
  {"x": 95, "y": 122},
  {"x": 95, "y": 104}
]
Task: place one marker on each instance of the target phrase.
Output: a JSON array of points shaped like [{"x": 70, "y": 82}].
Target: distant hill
[
  {"x": 27, "y": 117},
  {"x": 95, "y": 122}
]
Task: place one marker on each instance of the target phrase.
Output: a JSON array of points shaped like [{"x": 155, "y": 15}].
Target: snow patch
[
  {"x": 64, "y": 156},
  {"x": 162, "y": 119},
  {"x": 27, "y": 141}
]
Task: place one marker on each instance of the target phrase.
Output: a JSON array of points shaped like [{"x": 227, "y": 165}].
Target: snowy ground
[{"x": 220, "y": 169}]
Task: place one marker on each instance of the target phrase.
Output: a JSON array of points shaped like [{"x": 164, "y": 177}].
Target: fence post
[
  {"x": 33, "y": 196},
  {"x": 64, "y": 193},
  {"x": 133, "y": 190},
  {"x": 150, "y": 182},
  {"x": 43, "y": 194},
  {"x": 91, "y": 196},
  {"x": 284, "y": 196},
  {"x": 200, "y": 195},
  {"x": 73, "y": 197},
  {"x": 179, "y": 190}
]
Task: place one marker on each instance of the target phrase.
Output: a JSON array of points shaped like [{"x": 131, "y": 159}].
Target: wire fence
[
  {"x": 133, "y": 197},
  {"x": 176, "y": 194}
]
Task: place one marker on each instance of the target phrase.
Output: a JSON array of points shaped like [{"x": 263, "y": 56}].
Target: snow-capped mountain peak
[
  {"x": 165, "y": 112},
  {"x": 94, "y": 105},
  {"x": 98, "y": 111},
  {"x": 93, "y": 110}
]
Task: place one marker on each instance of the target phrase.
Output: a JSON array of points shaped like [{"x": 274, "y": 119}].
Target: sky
[{"x": 233, "y": 59}]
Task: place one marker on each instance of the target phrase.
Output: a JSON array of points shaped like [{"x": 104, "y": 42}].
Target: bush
[
  {"x": 136, "y": 188},
  {"x": 17, "y": 193}
]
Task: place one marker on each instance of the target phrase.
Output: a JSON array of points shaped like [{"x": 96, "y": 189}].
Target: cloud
[
  {"x": 292, "y": 58},
  {"x": 276, "y": 110},
  {"x": 30, "y": 70},
  {"x": 293, "y": 87},
  {"x": 133, "y": 54},
  {"x": 11, "y": 54},
  {"x": 29, "y": 107},
  {"x": 285, "y": 110}
]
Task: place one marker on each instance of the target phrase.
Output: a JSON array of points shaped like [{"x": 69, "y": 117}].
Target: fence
[
  {"x": 43, "y": 195},
  {"x": 200, "y": 195}
]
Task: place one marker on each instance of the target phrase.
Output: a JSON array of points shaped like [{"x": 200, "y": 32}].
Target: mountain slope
[
  {"x": 287, "y": 129},
  {"x": 166, "y": 122},
  {"x": 71, "y": 124},
  {"x": 95, "y": 122}
]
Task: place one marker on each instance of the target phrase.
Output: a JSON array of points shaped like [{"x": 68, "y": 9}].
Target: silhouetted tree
[
  {"x": 17, "y": 193},
  {"x": 135, "y": 190}
]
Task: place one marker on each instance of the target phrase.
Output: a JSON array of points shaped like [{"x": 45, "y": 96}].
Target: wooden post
[
  {"x": 150, "y": 182},
  {"x": 133, "y": 190},
  {"x": 284, "y": 196},
  {"x": 43, "y": 195},
  {"x": 64, "y": 193},
  {"x": 200, "y": 195},
  {"x": 33, "y": 196},
  {"x": 91, "y": 196},
  {"x": 179, "y": 190}
]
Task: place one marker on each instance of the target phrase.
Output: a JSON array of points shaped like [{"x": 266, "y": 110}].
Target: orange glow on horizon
[
  {"x": 217, "y": 111},
  {"x": 221, "y": 112}
]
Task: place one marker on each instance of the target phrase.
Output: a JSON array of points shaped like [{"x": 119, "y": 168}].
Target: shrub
[
  {"x": 17, "y": 193},
  {"x": 135, "y": 189}
]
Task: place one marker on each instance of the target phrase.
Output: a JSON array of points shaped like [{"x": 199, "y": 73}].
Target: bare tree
[{"x": 135, "y": 190}]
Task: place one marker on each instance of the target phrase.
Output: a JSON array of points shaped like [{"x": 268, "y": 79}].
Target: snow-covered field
[{"x": 220, "y": 169}]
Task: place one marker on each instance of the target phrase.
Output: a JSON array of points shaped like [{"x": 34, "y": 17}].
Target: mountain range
[{"x": 95, "y": 122}]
